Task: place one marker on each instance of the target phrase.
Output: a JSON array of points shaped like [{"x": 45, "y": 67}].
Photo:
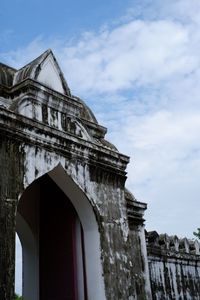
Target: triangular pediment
[
  {"x": 45, "y": 70},
  {"x": 51, "y": 75}
]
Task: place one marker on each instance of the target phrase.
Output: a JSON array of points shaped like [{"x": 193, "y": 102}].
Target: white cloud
[{"x": 136, "y": 53}]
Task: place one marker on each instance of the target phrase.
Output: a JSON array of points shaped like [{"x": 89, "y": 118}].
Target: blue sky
[
  {"x": 137, "y": 65},
  {"x": 22, "y": 21}
]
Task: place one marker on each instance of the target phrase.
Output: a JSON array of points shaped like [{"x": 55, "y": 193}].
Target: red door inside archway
[
  {"x": 52, "y": 244},
  {"x": 57, "y": 244}
]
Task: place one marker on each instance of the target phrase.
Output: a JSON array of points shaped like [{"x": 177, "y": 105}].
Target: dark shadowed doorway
[{"x": 52, "y": 244}]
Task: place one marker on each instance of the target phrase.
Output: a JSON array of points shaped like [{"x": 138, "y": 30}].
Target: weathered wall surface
[
  {"x": 42, "y": 126},
  {"x": 41, "y": 129},
  {"x": 174, "y": 266},
  {"x": 11, "y": 178}
]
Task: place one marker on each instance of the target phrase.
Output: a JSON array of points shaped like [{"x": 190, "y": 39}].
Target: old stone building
[{"x": 62, "y": 189}]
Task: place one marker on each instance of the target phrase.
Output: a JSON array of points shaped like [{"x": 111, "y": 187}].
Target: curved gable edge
[
  {"x": 45, "y": 70},
  {"x": 49, "y": 73}
]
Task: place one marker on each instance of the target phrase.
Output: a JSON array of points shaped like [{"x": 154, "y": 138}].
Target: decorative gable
[
  {"x": 45, "y": 70},
  {"x": 49, "y": 75}
]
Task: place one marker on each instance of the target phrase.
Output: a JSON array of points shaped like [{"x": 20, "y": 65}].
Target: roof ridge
[
  {"x": 45, "y": 54},
  {"x": 7, "y": 66}
]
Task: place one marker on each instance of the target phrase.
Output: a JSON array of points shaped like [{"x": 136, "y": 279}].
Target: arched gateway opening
[{"x": 60, "y": 241}]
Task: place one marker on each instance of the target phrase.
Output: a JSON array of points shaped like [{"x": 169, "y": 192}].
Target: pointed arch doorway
[{"x": 60, "y": 241}]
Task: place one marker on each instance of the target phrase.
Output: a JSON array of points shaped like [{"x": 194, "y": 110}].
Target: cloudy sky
[{"x": 137, "y": 65}]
